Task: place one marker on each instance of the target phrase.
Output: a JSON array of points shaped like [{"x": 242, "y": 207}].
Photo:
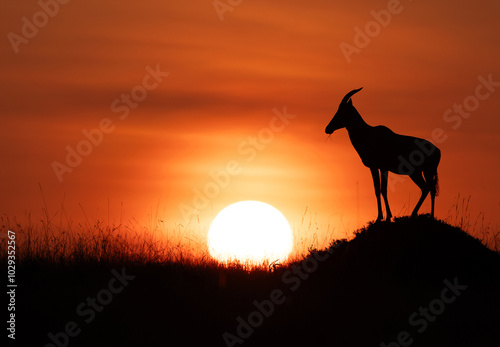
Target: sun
[{"x": 250, "y": 232}]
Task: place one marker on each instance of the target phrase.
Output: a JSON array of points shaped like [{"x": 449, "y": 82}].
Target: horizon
[{"x": 403, "y": 270}]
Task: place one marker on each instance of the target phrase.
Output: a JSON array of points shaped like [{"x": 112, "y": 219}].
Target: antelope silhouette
[{"x": 380, "y": 149}]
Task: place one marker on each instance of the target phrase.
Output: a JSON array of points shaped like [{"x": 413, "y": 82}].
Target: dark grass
[{"x": 361, "y": 293}]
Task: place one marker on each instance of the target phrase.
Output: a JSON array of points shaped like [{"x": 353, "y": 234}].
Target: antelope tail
[{"x": 435, "y": 184}]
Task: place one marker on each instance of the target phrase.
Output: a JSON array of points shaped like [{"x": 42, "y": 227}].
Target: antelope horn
[{"x": 348, "y": 95}]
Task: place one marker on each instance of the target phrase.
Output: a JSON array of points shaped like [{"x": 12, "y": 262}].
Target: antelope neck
[{"x": 356, "y": 123}]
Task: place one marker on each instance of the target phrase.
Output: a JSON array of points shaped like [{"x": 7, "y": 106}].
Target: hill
[{"x": 412, "y": 282}]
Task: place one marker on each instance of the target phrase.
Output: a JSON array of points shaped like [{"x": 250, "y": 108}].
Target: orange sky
[{"x": 224, "y": 80}]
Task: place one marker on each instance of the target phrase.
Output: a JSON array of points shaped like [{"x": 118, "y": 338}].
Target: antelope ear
[{"x": 349, "y": 102}]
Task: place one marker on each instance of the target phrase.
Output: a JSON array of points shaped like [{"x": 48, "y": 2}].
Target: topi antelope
[{"x": 381, "y": 149}]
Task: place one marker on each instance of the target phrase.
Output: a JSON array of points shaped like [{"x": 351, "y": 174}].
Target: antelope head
[{"x": 341, "y": 118}]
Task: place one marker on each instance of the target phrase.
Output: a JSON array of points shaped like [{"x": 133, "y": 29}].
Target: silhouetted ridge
[
  {"x": 362, "y": 292},
  {"x": 367, "y": 289},
  {"x": 420, "y": 247}
]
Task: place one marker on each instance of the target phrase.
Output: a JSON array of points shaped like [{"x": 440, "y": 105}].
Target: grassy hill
[{"x": 412, "y": 282}]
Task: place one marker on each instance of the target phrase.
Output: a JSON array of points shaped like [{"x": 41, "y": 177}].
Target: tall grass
[
  {"x": 55, "y": 240},
  {"x": 46, "y": 241},
  {"x": 73, "y": 243},
  {"x": 460, "y": 215}
]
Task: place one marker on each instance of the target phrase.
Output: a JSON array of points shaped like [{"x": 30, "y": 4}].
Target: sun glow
[{"x": 250, "y": 231}]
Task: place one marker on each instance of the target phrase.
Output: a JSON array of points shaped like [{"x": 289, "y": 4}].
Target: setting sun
[{"x": 250, "y": 231}]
